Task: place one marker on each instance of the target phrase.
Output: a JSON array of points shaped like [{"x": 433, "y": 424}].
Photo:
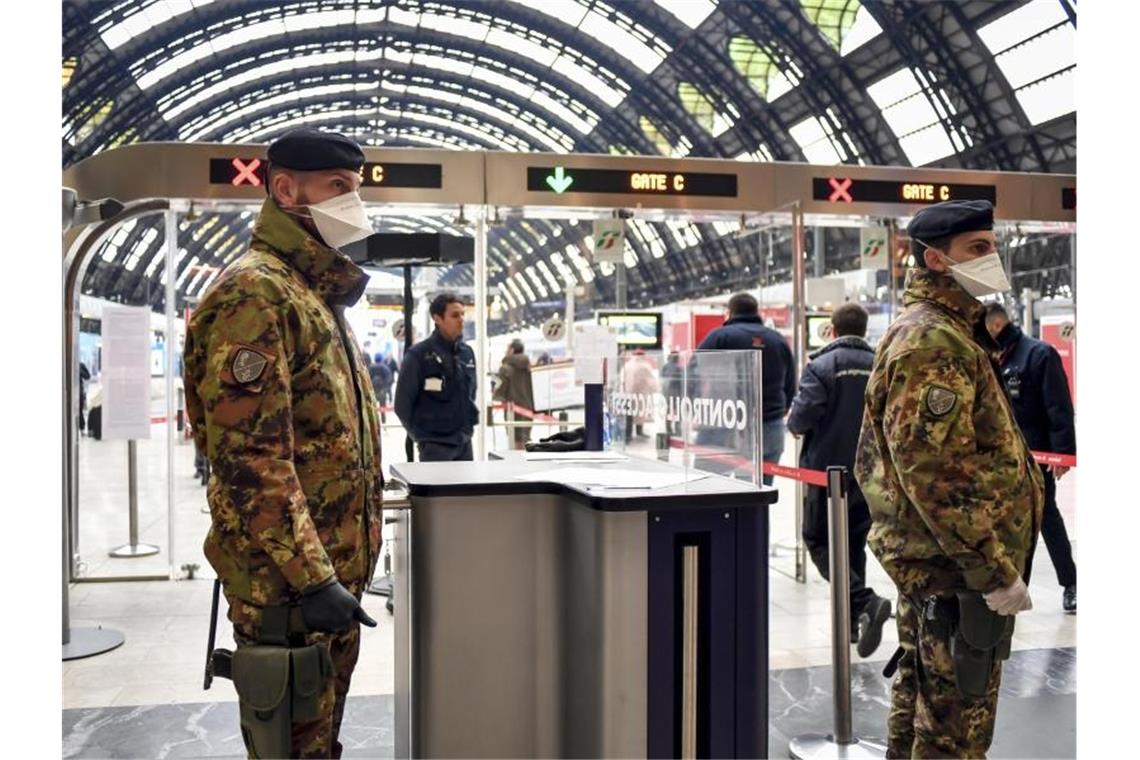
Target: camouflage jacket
[
  {"x": 277, "y": 395},
  {"x": 954, "y": 494}
]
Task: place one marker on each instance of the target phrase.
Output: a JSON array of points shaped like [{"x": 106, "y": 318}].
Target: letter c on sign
[
  {"x": 944, "y": 193},
  {"x": 679, "y": 182},
  {"x": 378, "y": 174},
  {"x": 741, "y": 416}
]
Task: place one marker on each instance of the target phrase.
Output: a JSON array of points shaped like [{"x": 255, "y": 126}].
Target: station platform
[{"x": 145, "y": 699}]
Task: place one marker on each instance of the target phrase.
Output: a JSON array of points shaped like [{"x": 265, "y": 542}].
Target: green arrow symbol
[{"x": 559, "y": 181}]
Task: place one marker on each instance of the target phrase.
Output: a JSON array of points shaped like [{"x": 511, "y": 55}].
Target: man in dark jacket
[
  {"x": 1039, "y": 393},
  {"x": 745, "y": 330},
  {"x": 828, "y": 412},
  {"x": 515, "y": 388},
  {"x": 435, "y": 392}
]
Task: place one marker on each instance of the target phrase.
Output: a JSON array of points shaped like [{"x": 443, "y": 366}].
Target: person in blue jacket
[
  {"x": 435, "y": 390},
  {"x": 828, "y": 412},
  {"x": 1043, "y": 406},
  {"x": 744, "y": 330}
]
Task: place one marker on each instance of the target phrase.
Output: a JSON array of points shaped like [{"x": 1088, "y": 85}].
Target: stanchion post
[
  {"x": 133, "y": 548},
  {"x": 801, "y": 547},
  {"x": 842, "y": 742},
  {"x": 840, "y": 603}
]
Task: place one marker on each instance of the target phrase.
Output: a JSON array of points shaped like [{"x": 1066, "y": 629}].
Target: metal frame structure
[
  {"x": 395, "y": 98},
  {"x": 171, "y": 178}
]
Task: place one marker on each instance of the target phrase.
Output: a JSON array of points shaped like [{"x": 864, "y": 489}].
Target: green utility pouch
[
  {"x": 312, "y": 669},
  {"x": 278, "y": 686},
  {"x": 979, "y": 638},
  {"x": 261, "y": 678}
]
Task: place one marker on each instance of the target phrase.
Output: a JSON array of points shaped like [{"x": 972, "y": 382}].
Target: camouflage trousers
[
  {"x": 928, "y": 716},
  {"x": 311, "y": 738}
]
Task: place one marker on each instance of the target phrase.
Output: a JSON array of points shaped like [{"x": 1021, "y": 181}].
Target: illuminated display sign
[
  {"x": 1069, "y": 198},
  {"x": 251, "y": 171},
  {"x": 847, "y": 190},
  {"x": 634, "y": 329},
  {"x": 559, "y": 179}
]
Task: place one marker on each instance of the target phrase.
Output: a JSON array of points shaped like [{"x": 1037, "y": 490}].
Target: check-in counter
[{"x": 536, "y": 618}]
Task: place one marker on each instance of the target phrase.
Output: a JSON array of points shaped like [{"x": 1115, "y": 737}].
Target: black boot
[
  {"x": 1069, "y": 599},
  {"x": 871, "y": 621}
]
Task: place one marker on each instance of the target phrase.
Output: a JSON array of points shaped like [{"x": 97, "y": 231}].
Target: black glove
[
  {"x": 566, "y": 435},
  {"x": 571, "y": 440},
  {"x": 330, "y": 608}
]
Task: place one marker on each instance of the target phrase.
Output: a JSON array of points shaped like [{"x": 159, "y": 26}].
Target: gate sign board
[
  {"x": 874, "y": 253},
  {"x": 848, "y": 190},
  {"x": 251, "y": 171},
  {"x": 559, "y": 179},
  {"x": 609, "y": 240}
]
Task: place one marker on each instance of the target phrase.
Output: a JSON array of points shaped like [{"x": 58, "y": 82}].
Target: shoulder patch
[
  {"x": 247, "y": 365},
  {"x": 757, "y": 341},
  {"x": 939, "y": 400}
]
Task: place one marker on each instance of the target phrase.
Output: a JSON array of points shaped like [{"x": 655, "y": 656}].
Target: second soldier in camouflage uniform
[
  {"x": 281, "y": 402},
  {"x": 954, "y": 494}
]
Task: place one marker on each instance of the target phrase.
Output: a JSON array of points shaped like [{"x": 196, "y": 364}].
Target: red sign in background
[{"x": 1062, "y": 336}]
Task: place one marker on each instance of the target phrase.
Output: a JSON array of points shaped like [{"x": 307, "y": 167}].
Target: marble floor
[
  {"x": 159, "y": 668},
  {"x": 1035, "y": 716}
]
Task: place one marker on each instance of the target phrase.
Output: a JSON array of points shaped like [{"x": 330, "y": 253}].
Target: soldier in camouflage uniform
[
  {"x": 281, "y": 402},
  {"x": 954, "y": 493}
]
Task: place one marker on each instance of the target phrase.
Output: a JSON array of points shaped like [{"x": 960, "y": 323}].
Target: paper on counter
[
  {"x": 611, "y": 477},
  {"x": 574, "y": 456}
]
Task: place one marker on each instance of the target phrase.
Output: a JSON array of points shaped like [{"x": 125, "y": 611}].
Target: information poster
[
  {"x": 126, "y": 373},
  {"x": 593, "y": 345}
]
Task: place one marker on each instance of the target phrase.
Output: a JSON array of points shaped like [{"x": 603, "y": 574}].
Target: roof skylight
[
  {"x": 813, "y": 136},
  {"x": 1035, "y": 48},
  {"x": 690, "y": 12},
  {"x": 906, "y": 107}
]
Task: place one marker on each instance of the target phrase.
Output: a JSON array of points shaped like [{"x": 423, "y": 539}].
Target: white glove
[{"x": 1010, "y": 600}]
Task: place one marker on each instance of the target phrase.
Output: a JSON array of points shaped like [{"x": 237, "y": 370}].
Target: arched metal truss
[{"x": 579, "y": 76}]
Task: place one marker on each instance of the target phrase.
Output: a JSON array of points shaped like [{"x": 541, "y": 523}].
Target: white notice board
[{"x": 126, "y": 373}]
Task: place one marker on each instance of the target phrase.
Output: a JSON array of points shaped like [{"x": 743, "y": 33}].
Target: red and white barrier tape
[
  {"x": 1045, "y": 457},
  {"x": 813, "y": 477}
]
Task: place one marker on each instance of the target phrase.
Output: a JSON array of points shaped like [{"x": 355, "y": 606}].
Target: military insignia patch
[
  {"x": 940, "y": 400},
  {"x": 248, "y": 365}
]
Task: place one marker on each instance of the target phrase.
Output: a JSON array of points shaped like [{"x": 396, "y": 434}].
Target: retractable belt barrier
[
  {"x": 1064, "y": 460},
  {"x": 522, "y": 411},
  {"x": 819, "y": 477}
]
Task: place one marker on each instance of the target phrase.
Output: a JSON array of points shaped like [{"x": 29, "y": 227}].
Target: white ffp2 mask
[
  {"x": 341, "y": 220},
  {"x": 979, "y": 277}
]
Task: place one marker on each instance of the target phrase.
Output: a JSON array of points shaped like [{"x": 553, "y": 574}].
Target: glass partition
[{"x": 697, "y": 409}]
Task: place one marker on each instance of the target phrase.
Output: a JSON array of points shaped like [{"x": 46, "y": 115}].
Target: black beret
[
  {"x": 310, "y": 150},
  {"x": 950, "y": 218}
]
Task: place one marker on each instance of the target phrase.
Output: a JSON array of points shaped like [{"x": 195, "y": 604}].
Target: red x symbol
[
  {"x": 839, "y": 186},
  {"x": 245, "y": 173}
]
